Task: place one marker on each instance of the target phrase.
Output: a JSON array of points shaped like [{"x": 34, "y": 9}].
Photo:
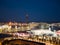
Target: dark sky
[{"x": 38, "y": 10}]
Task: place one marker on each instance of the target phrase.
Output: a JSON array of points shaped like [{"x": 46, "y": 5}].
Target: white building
[{"x": 41, "y": 32}]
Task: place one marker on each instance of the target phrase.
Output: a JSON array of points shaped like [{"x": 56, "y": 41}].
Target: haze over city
[{"x": 37, "y": 10}]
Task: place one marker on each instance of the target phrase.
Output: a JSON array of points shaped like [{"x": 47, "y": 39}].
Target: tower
[
  {"x": 26, "y": 18},
  {"x": 27, "y": 21}
]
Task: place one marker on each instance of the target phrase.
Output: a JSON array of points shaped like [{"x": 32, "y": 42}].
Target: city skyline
[{"x": 37, "y": 10}]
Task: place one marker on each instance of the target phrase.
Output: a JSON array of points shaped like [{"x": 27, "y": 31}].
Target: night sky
[{"x": 37, "y": 10}]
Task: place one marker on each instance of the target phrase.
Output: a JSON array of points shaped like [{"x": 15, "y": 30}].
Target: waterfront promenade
[{"x": 38, "y": 40}]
